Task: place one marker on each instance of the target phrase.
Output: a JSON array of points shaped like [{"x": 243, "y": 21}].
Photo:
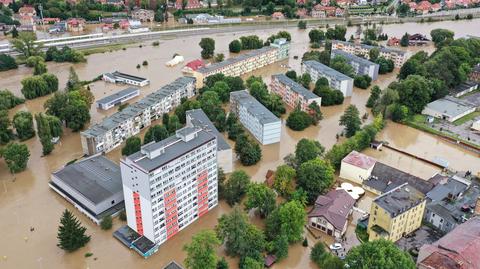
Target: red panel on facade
[
  {"x": 202, "y": 193},
  {"x": 138, "y": 212}
]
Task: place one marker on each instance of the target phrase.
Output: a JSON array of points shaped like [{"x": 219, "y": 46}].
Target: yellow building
[{"x": 396, "y": 213}]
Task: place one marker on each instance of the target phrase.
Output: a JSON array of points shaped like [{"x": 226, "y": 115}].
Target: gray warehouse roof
[
  {"x": 399, "y": 199},
  {"x": 326, "y": 70},
  {"x": 96, "y": 178},
  {"x": 254, "y": 107},
  {"x": 239, "y": 58},
  {"x": 137, "y": 108},
  {"x": 200, "y": 119},
  {"x": 450, "y": 106},
  {"x": 352, "y": 57},
  {"x": 117, "y": 95},
  {"x": 295, "y": 86}
]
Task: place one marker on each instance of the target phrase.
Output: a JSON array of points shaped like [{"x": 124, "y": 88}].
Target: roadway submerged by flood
[{"x": 26, "y": 200}]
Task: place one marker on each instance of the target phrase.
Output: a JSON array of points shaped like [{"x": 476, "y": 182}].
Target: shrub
[{"x": 106, "y": 223}]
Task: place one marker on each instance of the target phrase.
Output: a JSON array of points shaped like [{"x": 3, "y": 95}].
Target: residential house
[
  {"x": 357, "y": 167},
  {"x": 423, "y": 7},
  {"x": 27, "y": 11},
  {"x": 143, "y": 15},
  {"x": 278, "y": 15},
  {"x": 331, "y": 211},
  {"x": 396, "y": 213},
  {"x": 320, "y": 11},
  {"x": 76, "y": 24},
  {"x": 191, "y": 4},
  {"x": 456, "y": 250},
  {"x": 393, "y": 41},
  {"x": 192, "y": 66},
  {"x": 417, "y": 40}
]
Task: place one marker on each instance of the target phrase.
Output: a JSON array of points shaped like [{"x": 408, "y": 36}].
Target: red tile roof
[
  {"x": 195, "y": 64},
  {"x": 359, "y": 160}
]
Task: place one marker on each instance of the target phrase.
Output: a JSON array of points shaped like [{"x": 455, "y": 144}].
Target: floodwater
[{"x": 26, "y": 200}]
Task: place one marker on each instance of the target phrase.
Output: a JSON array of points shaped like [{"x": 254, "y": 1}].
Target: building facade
[
  {"x": 357, "y": 167},
  {"x": 336, "y": 80},
  {"x": 113, "y": 130},
  {"x": 396, "y": 213},
  {"x": 257, "y": 119},
  {"x": 198, "y": 118},
  {"x": 361, "y": 66},
  {"x": 117, "y": 98},
  {"x": 246, "y": 62},
  {"x": 397, "y": 56},
  {"x": 118, "y": 77},
  {"x": 169, "y": 184},
  {"x": 292, "y": 93}
]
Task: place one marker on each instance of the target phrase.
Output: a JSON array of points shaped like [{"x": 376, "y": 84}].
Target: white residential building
[
  {"x": 257, "y": 119},
  {"x": 397, "y": 56},
  {"x": 357, "y": 167},
  {"x": 292, "y": 93},
  {"x": 246, "y": 62},
  {"x": 361, "y": 66},
  {"x": 113, "y": 130},
  {"x": 336, "y": 80},
  {"x": 169, "y": 184}
]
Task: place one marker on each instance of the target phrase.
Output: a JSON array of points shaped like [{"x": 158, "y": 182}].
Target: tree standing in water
[{"x": 71, "y": 235}]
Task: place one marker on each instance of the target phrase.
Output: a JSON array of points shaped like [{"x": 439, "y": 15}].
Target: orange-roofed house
[
  {"x": 393, "y": 41},
  {"x": 357, "y": 167},
  {"x": 423, "y": 7},
  {"x": 412, "y": 5},
  {"x": 301, "y": 13},
  {"x": 75, "y": 24},
  {"x": 436, "y": 7},
  {"x": 191, "y": 4},
  {"x": 27, "y": 11},
  {"x": 278, "y": 15}
]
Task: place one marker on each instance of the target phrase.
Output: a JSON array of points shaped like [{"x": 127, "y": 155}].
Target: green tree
[
  {"x": 302, "y": 25},
  {"x": 73, "y": 82},
  {"x": 378, "y": 254},
  {"x": 308, "y": 149},
  {"x": 351, "y": 120},
  {"x": 315, "y": 112},
  {"x": 251, "y": 263},
  {"x": 222, "y": 264},
  {"x": 397, "y": 112},
  {"x": 106, "y": 223},
  {"x": 283, "y": 182},
  {"x": 414, "y": 92},
  {"x": 236, "y": 187},
  {"x": 173, "y": 124},
  {"x": 201, "y": 252},
  {"x": 15, "y": 156},
  {"x": 316, "y": 36},
  {"x": 404, "y": 40},
  {"x": 362, "y": 81},
  {"x": 25, "y": 44},
  {"x": 341, "y": 64},
  {"x": 235, "y": 46},
  {"x": 315, "y": 176},
  {"x": 441, "y": 37},
  {"x": 373, "y": 54},
  {"x": 8, "y": 100},
  {"x": 385, "y": 65},
  {"x": 211, "y": 104},
  {"x": 7, "y": 62},
  {"x": 248, "y": 151},
  {"x": 23, "y": 123},
  {"x": 71, "y": 234},
  {"x": 305, "y": 80},
  {"x": 5, "y": 132},
  {"x": 298, "y": 120},
  {"x": 374, "y": 95},
  {"x": 37, "y": 86},
  {"x": 208, "y": 47},
  {"x": 222, "y": 89},
  {"x": 155, "y": 133},
  {"x": 260, "y": 197},
  {"x": 251, "y": 42},
  {"x": 280, "y": 247},
  {"x": 132, "y": 145},
  {"x": 291, "y": 74},
  {"x": 287, "y": 220}
]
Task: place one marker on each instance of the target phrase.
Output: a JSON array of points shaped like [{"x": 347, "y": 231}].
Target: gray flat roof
[
  {"x": 239, "y": 58},
  {"x": 127, "y": 76},
  {"x": 399, "y": 199},
  {"x": 326, "y": 70},
  {"x": 96, "y": 178},
  {"x": 295, "y": 86},
  {"x": 443, "y": 190},
  {"x": 137, "y": 108},
  {"x": 118, "y": 95},
  {"x": 254, "y": 107},
  {"x": 352, "y": 57},
  {"x": 450, "y": 106},
  {"x": 173, "y": 147},
  {"x": 382, "y": 49},
  {"x": 200, "y": 119}
]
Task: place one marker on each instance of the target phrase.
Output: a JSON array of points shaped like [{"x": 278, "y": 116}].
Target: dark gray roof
[
  {"x": 326, "y": 70},
  {"x": 295, "y": 86},
  {"x": 237, "y": 59},
  {"x": 117, "y": 95},
  {"x": 200, "y": 119},
  {"x": 127, "y": 76},
  {"x": 170, "y": 148},
  {"x": 385, "y": 178},
  {"x": 463, "y": 87},
  {"x": 254, "y": 107},
  {"x": 452, "y": 187},
  {"x": 173, "y": 265},
  {"x": 137, "y": 108},
  {"x": 440, "y": 210},
  {"x": 352, "y": 57},
  {"x": 382, "y": 49},
  {"x": 399, "y": 199},
  {"x": 96, "y": 178}
]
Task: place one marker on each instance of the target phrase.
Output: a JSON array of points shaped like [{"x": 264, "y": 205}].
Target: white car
[{"x": 336, "y": 246}]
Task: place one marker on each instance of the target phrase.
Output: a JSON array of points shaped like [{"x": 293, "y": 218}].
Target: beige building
[
  {"x": 357, "y": 167},
  {"x": 396, "y": 213}
]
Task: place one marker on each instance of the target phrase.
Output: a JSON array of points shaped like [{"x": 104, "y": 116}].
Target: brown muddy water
[{"x": 26, "y": 201}]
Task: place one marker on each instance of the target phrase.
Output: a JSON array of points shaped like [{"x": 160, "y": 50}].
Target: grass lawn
[{"x": 466, "y": 118}]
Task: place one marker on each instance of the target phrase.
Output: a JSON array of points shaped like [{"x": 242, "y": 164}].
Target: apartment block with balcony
[
  {"x": 246, "y": 62},
  {"x": 397, "y": 56},
  {"x": 336, "y": 80},
  {"x": 292, "y": 93},
  {"x": 113, "y": 130},
  {"x": 256, "y": 118},
  {"x": 396, "y": 213},
  {"x": 169, "y": 184},
  {"x": 361, "y": 66}
]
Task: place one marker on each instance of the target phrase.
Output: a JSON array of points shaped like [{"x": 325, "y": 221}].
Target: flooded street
[{"x": 26, "y": 200}]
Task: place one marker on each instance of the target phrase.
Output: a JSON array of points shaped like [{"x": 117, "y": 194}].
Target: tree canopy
[
  {"x": 15, "y": 156},
  {"x": 201, "y": 252},
  {"x": 315, "y": 176},
  {"x": 71, "y": 235}
]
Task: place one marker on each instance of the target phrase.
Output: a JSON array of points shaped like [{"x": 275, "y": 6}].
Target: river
[{"x": 26, "y": 200}]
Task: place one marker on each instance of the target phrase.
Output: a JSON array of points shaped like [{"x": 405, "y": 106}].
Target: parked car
[{"x": 336, "y": 246}]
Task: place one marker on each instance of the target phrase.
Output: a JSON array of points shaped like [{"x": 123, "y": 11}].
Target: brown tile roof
[
  {"x": 335, "y": 206},
  {"x": 359, "y": 160}
]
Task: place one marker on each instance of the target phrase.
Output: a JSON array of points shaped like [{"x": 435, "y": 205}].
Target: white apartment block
[
  {"x": 246, "y": 62},
  {"x": 292, "y": 93},
  {"x": 361, "y": 66},
  {"x": 169, "y": 184},
  {"x": 336, "y": 80},
  {"x": 257, "y": 119},
  {"x": 113, "y": 130},
  {"x": 397, "y": 56}
]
